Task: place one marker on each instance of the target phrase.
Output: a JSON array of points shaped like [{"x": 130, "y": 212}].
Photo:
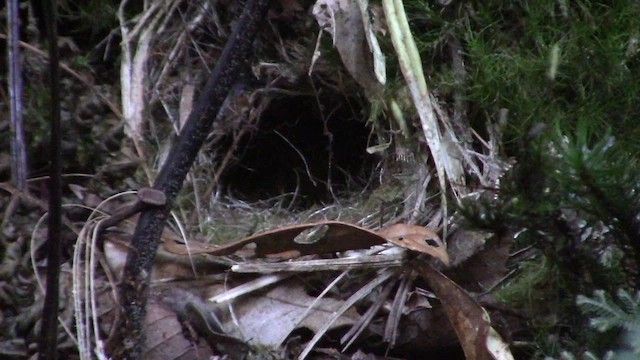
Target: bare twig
[
  {"x": 134, "y": 287},
  {"x": 49, "y": 331}
]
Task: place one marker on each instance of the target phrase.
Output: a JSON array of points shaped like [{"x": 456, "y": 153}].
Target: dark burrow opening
[{"x": 305, "y": 151}]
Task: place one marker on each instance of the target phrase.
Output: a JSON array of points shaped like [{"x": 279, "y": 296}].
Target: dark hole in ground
[{"x": 293, "y": 152}]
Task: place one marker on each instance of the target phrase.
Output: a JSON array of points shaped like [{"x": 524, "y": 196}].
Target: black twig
[
  {"x": 49, "y": 332},
  {"x": 134, "y": 288}
]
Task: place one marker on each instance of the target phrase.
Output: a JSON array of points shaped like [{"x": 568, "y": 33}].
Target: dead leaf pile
[{"x": 204, "y": 302}]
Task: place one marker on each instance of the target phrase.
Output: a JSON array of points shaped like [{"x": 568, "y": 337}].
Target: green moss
[
  {"x": 536, "y": 279},
  {"x": 545, "y": 61}
]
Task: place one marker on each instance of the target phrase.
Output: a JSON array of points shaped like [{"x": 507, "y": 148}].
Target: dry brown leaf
[
  {"x": 165, "y": 337},
  {"x": 470, "y": 320},
  {"x": 324, "y": 237},
  {"x": 416, "y": 238},
  {"x": 338, "y": 237}
]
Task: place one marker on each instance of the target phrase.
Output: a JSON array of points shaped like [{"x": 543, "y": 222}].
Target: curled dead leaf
[
  {"x": 336, "y": 236},
  {"x": 470, "y": 321},
  {"x": 319, "y": 238},
  {"x": 416, "y": 238}
]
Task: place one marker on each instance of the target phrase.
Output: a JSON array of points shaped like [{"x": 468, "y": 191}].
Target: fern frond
[
  {"x": 606, "y": 312},
  {"x": 628, "y": 302}
]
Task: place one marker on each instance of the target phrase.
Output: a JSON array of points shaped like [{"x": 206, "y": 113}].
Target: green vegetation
[
  {"x": 572, "y": 196},
  {"x": 544, "y": 61}
]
